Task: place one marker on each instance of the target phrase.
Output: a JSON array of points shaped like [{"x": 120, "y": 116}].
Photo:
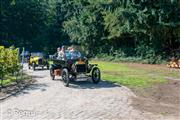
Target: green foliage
[
  {"x": 13, "y": 80},
  {"x": 86, "y": 29},
  {"x": 149, "y": 59},
  {"x": 146, "y": 29},
  {"x": 9, "y": 61}
]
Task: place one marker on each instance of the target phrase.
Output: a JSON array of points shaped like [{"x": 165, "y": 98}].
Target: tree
[
  {"x": 138, "y": 28},
  {"x": 86, "y": 29}
]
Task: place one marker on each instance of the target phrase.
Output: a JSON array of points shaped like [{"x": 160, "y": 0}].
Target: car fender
[
  {"x": 93, "y": 67},
  {"x": 66, "y": 68}
]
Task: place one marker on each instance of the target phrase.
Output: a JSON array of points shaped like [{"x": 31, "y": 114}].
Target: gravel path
[{"x": 47, "y": 99}]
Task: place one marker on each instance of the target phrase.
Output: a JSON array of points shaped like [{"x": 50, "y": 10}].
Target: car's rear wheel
[
  {"x": 52, "y": 74},
  {"x": 96, "y": 75},
  {"x": 65, "y": 77}
]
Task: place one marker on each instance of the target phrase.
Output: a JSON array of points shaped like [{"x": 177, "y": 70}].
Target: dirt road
[{"x": 47, "y": 99}]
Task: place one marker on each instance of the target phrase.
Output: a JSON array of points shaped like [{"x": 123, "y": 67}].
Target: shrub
[{"x": 9, "y": 61}]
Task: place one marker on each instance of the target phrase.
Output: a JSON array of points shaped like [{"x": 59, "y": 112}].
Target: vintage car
[
  {"x": 75, "y": 66},
  {"x": 37, "y": 59}
]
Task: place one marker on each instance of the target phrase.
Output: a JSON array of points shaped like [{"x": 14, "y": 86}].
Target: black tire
[
  {"x": 34, "y": 67},
  {"x": 52, "y": 74},
  {"x": 29, "y": 66},
  {"x": 47, "y": 67},
  {"x": 65, "y": 77},
  {"x": 96, "y": 75}
]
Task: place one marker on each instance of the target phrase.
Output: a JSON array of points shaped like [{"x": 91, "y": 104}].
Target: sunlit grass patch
[
  {"x": 133, "y": 81},
  {"x": 133, "y": 77},
  {"x": 12, "y": 79},
  {"x": 112, "y": 66}
]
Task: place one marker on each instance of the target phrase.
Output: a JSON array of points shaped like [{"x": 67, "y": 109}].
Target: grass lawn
[
  {"x": 135, "y": 75},
  {"x": 12, "y": 79}
]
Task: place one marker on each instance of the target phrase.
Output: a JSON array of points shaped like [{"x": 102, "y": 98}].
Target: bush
[
  {"x": 9, "y": 61},
  {"x": 118, "y": 58},
  {"x": 104, "y": 57}
]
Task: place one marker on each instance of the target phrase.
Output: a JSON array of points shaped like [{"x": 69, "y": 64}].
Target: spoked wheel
[
  {"x": 96, "y": 75},
  {"x": 65, "y": 77},
  {"x": 52, "y": 74}
]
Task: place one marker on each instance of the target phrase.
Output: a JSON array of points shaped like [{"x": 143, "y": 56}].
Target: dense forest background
[{"x": 146, "y": 29}]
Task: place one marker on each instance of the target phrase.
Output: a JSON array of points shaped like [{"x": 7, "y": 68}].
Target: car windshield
[
  {"x": 73, "y": 54},
  {"x": 25, "y": 53},
  {"x": 36, "y": 54}
]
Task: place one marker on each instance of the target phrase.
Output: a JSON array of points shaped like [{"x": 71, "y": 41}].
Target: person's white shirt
[{"x": 61, "y": 55}]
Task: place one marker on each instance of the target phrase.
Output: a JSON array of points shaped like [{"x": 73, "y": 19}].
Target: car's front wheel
[
  {"x": 34, "y": 66},
  {"x": 96, "y": 75},
  {"x": 65, "y": 77},
  {"x": 29, "y": 66}
]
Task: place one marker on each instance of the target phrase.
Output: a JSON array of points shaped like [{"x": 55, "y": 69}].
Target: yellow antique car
[{"x": 37, "y": 60}]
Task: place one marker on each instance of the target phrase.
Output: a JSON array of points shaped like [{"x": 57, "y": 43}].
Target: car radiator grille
[
  {"x": 81, "y": 68},
  {"x": 40, "y": 61}
]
